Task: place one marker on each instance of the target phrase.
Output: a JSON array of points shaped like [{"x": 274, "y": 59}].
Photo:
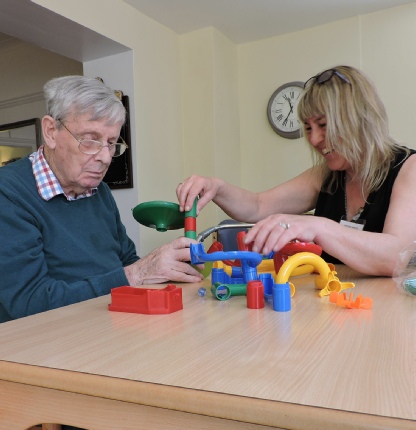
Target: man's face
[{"x": 77, "y": 172}]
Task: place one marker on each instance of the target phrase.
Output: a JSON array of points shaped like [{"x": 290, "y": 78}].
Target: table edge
[{"x": 220, "y": 405}]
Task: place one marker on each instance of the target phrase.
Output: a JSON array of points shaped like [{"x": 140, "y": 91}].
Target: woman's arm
[
  {"x": 296, "y": 196},
  {"x": 367, "y": 252}
]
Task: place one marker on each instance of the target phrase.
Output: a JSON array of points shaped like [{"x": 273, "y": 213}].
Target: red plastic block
[{"x": 146, "y": 300}]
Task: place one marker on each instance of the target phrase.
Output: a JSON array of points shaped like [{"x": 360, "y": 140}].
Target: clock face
[{"x": 282, "y": 110}]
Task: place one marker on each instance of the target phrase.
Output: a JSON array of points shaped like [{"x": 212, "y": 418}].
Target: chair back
[{"x": 228, "y": 236}]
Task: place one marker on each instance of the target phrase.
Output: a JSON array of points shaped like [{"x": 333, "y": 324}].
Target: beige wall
[{"x": 200, "y": 100}]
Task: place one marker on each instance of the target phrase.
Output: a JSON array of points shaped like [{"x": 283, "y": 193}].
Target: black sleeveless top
[{"x": 332, "y": 206}]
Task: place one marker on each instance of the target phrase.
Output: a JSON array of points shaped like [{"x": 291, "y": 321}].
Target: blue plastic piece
[
  {"x": 198, "y": 255},
  {"x": 268, "y": 283},
  {"x": 223, "y": 285},
  {"x": 202, "y": 292},
  {"x": 281, "y": 297}
]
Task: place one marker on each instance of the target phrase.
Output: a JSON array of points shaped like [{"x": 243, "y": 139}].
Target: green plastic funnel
[{"x": 160, "y": 215}]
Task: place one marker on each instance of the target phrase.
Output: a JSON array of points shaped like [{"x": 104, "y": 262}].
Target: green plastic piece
[
  {"x": 190, "y": 234},
  {"x": 225, "y": 291},
  {"x": 410, "y": 285},
  {"x": 206, "y": 270},
  {"x": 160, "y": 215},
  {"x": 192, "y": 212}
]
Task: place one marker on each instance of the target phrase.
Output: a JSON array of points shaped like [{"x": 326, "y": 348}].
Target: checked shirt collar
[{"x": 46, "y": 182}]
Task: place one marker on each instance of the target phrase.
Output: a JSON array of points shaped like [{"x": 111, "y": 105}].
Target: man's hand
[{"x": 164, "y": 264}]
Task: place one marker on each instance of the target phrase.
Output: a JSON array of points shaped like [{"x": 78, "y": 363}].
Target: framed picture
[{"x": 120, "y": 174}]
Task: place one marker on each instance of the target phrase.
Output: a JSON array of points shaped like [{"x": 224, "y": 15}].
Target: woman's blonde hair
[{"x": 356, "y": 125}]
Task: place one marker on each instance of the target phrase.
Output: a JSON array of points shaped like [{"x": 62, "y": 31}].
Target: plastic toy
[
  {"x": 281, "y": 297},
  {"x": 234, "y": 281},
  {"x": 255, "y": 295},
  {"x": 293, "y": 248},
  {"x": 326, "y": 281},
  {"x": 190, "y": 221},
  {"x": 233, "y": 278},
  {"x": 165, "y": 216},
  {"x": 146, "y": 301},
  {"x": 409, "y": 285},
  {"x": 359, "y": 303},
  {"x": 160, "y": 215},
  {"x": 202, "y": 292}
]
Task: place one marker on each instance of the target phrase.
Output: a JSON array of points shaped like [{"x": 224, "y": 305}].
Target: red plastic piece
[
  {"x": 293, "y": 248},
  {"x": 146, "y": 300},
  {"x": 217, "y": 246},
  {"x": 255, "y": 295},
  {"x": 340, "y": 299},
  {"x": 190, "y": 224},
  {"x": 240, "y": 242}
]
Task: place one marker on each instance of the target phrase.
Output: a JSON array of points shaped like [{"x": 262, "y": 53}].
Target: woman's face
[{"x": 315, "y": 129}]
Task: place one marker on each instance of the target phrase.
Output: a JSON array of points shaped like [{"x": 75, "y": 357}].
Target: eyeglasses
[
  {"x": 91, "y": 147},
  {"x": 326, "y": 76}
]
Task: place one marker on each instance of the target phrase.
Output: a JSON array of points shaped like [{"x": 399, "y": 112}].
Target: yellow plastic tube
[{"x": 326, "y": 281}]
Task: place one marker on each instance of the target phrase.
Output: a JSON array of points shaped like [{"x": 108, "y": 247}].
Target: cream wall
[
  {"x": 211, "y": 137},
  {"x": 263, "y": 67},
  {"x": 388, "y": 53},
  {"x": 200, "y": 100}
]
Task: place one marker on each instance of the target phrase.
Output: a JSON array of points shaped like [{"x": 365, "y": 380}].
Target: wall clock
[{"x": 282, "y": 110}]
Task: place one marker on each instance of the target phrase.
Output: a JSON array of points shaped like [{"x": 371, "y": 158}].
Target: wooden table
[{"x": 216, "y": 365}]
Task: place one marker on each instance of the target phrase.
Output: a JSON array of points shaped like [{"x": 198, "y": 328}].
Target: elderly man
[{"x": 62, "y": 238}]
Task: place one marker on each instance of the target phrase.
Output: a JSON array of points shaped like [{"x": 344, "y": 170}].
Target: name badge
[{"x": 357, "y": 225}]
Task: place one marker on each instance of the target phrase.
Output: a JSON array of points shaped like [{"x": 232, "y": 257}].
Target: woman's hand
[
  {"x": 194, "y": 186},
  {"x": 275, "y": 231}
]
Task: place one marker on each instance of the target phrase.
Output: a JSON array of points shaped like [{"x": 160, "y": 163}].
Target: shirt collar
[{"x": 46, "y": 182}]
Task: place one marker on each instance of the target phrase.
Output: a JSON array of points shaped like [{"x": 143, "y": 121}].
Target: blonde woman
[{"x": 362, "y": 186}]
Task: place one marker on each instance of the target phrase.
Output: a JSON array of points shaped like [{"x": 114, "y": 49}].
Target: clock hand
[{"x": 290, "y": 111}]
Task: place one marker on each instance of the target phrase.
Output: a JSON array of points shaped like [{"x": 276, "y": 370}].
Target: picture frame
[{"x": 120, "y": 173}]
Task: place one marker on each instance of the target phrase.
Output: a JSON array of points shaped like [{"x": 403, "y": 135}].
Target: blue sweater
[{"x": 57, "y": 252}]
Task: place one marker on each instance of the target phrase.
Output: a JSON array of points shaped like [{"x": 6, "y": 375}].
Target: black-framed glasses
[
  {"x": 92, "y": 147},
  {"x": 326, "y": 76}
]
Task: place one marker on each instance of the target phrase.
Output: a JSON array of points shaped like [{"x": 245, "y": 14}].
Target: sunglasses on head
[{"x": 326, "y": 76}]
